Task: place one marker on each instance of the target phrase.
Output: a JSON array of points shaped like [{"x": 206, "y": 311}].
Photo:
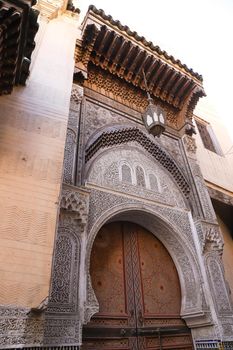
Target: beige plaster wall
[
  {"x": 33, "y": 122},
  {"x": 217, "y": 169},
  {"x": 227, "y": 254}
]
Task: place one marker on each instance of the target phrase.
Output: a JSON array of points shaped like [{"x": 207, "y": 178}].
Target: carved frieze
[
  {"x": 66, "y": 330},
  {"x": 129, "y": 95},
  {"x": 19, "y": 327}
]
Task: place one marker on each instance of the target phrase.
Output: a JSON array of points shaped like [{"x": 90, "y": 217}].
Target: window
[
  {"x": 140, "y": 177},
  {"x": 153, "y": 182},
  {"x": 126, "y": 173},
  {"x": 208, "y": 137}
]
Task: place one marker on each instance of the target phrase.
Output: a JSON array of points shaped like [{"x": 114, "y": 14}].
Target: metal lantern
[{"x": 154, "y": 118}]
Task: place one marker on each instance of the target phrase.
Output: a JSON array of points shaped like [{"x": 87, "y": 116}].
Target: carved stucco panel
[
  {"x": 64, "y": 291},
  {"x": 69, "y": 156},
  {"x": 64, "y": 314},
  {"x": 60, "y": 331},
  {"x": 173, "y": 146},
  {"x": 98, "y": 116},
  {"x": 105, "y": 171},
  {"x": 91, "y": 305},
  {"x": 72, "y": 134},
  {"x": 205, "y": 198},
  {"x": 218, "y": 284},
  {"x": 19, "y": 326}
]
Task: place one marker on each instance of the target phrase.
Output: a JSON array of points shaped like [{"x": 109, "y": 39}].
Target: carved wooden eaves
[
  {"x": 113, "y": 47},
  {"x": 18, "y": 27}
]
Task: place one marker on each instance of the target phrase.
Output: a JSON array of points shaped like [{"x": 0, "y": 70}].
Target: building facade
[{"x": 134, "y": 258}]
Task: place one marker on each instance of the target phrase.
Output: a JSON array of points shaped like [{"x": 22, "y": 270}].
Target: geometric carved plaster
[
  {"x": 105, "y": 170},
  {"x": 206, "y": 204},
  {"x": 219, "y": 288},
  {"x": 63, "y": 321},
  {"x": 20, "y": 327},
  {"x": 125, "y": 135},
  {"x": 71, "y": 135}
]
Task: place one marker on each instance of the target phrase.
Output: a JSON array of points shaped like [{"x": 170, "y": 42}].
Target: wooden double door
[{"x": 138, "y": 290}]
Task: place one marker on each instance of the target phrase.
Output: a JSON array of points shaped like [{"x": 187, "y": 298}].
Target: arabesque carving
[
  {"x": 122, "y": 136},
  {"x": 19, "y": 327},
  {"x": 113, "y": 87},
  {"x": 106, "y": 171},
  {"x": 218, "y": 284},
  {"x": 206, "y": 204},
  {"x": 91, "y": 305},
  {"x": 72, "y": 135},
  {"x": 69, "y": 156}
]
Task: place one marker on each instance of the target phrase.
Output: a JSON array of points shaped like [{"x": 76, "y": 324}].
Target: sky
[{"x": 198, "y": 32}]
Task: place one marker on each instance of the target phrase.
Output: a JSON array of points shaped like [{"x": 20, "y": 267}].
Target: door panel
[
  {"x": 137, "y": 286},
  {"x": 107, "y": 272},
  {"x": 161, "y": 290}
]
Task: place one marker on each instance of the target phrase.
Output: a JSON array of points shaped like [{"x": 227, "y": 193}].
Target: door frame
[
  {"x": 173, "y": 229},
  {"x": 130, "y": 235}
]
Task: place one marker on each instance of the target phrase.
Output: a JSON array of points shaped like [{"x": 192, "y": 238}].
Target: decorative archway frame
[{"x": 172, "y": 227}]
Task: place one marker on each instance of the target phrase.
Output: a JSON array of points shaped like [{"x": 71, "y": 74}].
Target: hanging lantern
[{"x": 154, "y": 119}]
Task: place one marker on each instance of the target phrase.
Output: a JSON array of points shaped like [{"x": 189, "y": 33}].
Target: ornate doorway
[{"x": 138, "y": 290}]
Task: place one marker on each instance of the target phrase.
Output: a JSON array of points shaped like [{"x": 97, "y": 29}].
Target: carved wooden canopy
[
  {"x": 18, "y": 26},
  {"x": 112, "y": 58},
  {"x": 115, "y": 49}
]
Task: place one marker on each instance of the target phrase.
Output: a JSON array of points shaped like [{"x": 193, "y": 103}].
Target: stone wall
[{"x": 33, "y": 129}]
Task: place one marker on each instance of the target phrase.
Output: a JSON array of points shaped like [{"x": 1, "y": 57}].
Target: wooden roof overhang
[
  {"x": 18, "y": 27},
  {"x": 114, "y": 48}
]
